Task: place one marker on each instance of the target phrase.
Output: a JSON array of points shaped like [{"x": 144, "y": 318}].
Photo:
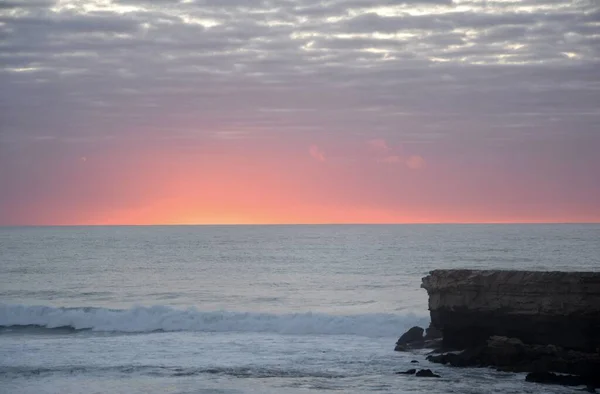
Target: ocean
[{"x": 248, "y": 309}]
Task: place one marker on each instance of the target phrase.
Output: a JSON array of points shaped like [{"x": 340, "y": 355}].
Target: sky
[{"x": 299, "y": 111}]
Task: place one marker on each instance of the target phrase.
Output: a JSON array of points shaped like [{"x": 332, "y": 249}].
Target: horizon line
[{"x": 290, "y": 224}]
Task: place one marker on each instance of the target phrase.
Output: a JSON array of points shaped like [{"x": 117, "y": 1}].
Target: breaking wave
[{"x": 142, "y": 319}]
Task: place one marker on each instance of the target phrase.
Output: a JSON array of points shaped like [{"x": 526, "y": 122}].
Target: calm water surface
[{"x": 247, "y": 309}]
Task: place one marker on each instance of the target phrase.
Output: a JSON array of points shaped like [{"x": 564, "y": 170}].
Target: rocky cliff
[{"x": 558, "y": 308}]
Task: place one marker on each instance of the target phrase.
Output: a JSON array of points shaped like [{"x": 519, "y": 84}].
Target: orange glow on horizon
[
  {"x": 279, "y": 185},
  {"x": 176, "y": 215}
]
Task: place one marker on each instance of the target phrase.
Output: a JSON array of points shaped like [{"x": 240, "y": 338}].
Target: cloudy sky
[{"x": 299, "y": 111}]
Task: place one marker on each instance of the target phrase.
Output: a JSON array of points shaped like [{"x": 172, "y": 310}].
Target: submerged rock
[
  {"x": 423, "y": 373},
  {"x": 564, "y": 380},
  {"x": 512, "y": 355},
  {"x": 426, "y": 373}
]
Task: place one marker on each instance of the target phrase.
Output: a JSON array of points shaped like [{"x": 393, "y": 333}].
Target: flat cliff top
[
  {"x": 546, "y": 292},
  {"x": 469, "y": 272},
  {"x": 439, "y": 279}
]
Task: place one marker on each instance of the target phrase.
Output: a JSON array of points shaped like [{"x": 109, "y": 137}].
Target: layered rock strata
[{"x": 557, "y": 308}]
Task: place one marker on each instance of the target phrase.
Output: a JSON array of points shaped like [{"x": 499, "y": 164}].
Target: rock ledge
[
  {"x": 558, "y": 308},
  {"x": 521, "y": 321}
]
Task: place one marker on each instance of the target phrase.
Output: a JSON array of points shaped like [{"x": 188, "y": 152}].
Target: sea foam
[{"x": 142, "y": 319}]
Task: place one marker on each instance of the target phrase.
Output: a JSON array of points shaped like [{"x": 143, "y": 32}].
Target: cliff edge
[{"x": 541, "y": 308}]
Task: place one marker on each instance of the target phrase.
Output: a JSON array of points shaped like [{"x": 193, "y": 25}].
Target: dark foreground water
[{"x": 247, "y": 309}]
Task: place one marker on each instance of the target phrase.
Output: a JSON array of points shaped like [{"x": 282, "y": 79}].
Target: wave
[
  {"x": 162, "y": 371},
  {"x": 142, "y": 319}
]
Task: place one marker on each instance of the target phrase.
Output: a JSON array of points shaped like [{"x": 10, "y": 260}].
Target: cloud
[
  {"x": 360, "y": 69},
  {"x": 378, "y": 145},
  {"x": 390, "y": 159},
  {"x": 316, "y": 153},
  {"x": 27, "y": 4},
  {"x": 415, "y": 162}
]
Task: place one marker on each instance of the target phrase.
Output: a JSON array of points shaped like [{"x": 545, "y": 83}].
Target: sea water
[{"x": 248, "y": 309}]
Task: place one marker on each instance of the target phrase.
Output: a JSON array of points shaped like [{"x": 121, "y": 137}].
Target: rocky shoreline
[{"x": 543, "y": 323}]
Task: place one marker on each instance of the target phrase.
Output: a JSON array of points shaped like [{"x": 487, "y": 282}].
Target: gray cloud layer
[{"x": 410, "y": 70}]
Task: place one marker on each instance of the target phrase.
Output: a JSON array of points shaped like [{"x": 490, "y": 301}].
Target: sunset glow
[{"x": 131, "y": 112}]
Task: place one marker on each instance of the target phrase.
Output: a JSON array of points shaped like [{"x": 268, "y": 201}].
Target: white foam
[{"x": 163, "y": 318}]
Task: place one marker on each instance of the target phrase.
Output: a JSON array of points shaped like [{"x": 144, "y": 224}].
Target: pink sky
[
  {"x": 295, "y": 181},
  {"x": 356, "y": 111}
]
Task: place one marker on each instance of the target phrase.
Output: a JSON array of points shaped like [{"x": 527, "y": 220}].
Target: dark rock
[
  {"x": 411, "y": 339},
  {"x": 433, "y": 332},
  {"x": 414, "y": 362},
  {"x": 414, "y": 339},
  {"x": 560, "y": 308},
  {"x": 426, "y": 373},
  {"x": 512, "y": 355},
  {"x": 433, "y": 344},
  {"x": 564, "y": 380},
  {"x": 454, "y": 359},
  {"x": 520, "y": 321},
  {"x": 502, "y": 351},
  {"x": 411, "y": 371}
]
